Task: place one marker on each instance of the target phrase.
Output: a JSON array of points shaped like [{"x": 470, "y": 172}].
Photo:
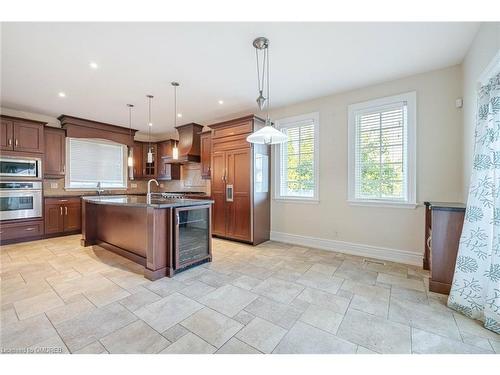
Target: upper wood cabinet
[
  {"x": 21, "y": 135},
  {"x": 166, "y": 169},
  {"x": 206, "y": 154},
  {"x": 149, "y": 169},
  {"x": 55, "y": 153},
  {"x": 138, "y": 167}
]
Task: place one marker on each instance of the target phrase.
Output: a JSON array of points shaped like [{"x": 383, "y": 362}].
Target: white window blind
[
  {"x": 298, "y": 169},
  {"x": 381, "y": 160},
  {"x": 91, "y": 161}
]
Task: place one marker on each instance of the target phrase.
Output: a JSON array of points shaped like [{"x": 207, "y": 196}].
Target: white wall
[
  {"x": 484, "y": 47},
  {"x": 439, "y": 167}
]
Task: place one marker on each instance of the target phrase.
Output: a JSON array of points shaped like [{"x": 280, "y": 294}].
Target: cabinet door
[
  {"x": 54, "y": 219},
  {"x": 206, "y": 151},
  {"x": 6, "y": 135},
  {"x": 168, "y": 171},
  {"x": 28, "y": 137},
  {"x": 55, "y": 154},
  {"x": 218, "y": 193},
  {"x": 149, "y": 169},
  {"x": 238, "y": 210},
  {"x": 72, "y": 217},
  {"x": 137, "y": 156}
]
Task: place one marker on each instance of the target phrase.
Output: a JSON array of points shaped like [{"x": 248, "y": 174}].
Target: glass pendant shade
[
  {"x": 130, "y": 159},
  {"x": 268, "y": 135},
  {"x": 175, "y": 153},
  {"x": 150, "y": 156}
]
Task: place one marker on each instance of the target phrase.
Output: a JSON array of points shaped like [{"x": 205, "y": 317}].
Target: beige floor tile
[
  {"x": 52, "y": 345},
  {"x": 278, "y": 290},
  {"x": 215, "y": 279},
  {"x": 25, "y": 333},
  {"x": 306, "y": 339},
  {"x": 235, "y": 346},
  {"x": 137, "y": 300},
  {"x": 189, "y": 344},
  {"x": 261, "y": 334},
  {"x": 228, "y": 299},
  {"x": 429, "y": 343},
  {"x": 278, "y": 313},
  {"x": 375, "y": 333},
  {"x": 371, "y": 305},
  {"x": 246, "y": 282},
  {"x": 70, "y": 310},
  {"x": 168, "y": 311},
  {"x": 8, "y": 316},
  {"x": 137, "y": 337},
  {"x": 355, "y": 272},
  {"x": 403, "y": 294},
  {"x": 212, "y": 326},
  {"x": 480, "y": 342},
  {"x": 106, "y": 295},
  {"x": 401, "y": 282},
  {"x": 95, "y": 348},
  {"x": 93, "y": 325},
  {"x": 32, "y": 306},
  {"x": 496, "y": 345},
  {"x": 174, "y": 333},
  {"x": 474, "y": 327},
  {"x": 165, "y": 286},
  {"x": 333, "y": 302},
  {"x": 244, "y": 317},
  {"x": 363, "y": 350},
  {"x": 196, "y": 289},
  {"x": 424, "y": 317},
  {"x": 322, "y": 318},
  {"x": 327, "y": 269},
  {"x": 320, "y": 281}
]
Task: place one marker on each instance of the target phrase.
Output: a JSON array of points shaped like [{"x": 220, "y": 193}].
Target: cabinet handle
[
  {"x": 29, "y": 229},
  {"x": 17, "y": 142},
  {"x": 429, "y": 239},
  {"x": 10, "y": 142},
  {"x": 63, "y": 200},
  {"x": 60, "y": 209},
  {"x": 66, "y": 210}
]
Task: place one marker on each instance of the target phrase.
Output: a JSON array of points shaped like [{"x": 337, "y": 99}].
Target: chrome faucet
[
  {"x": 99, "y": 190},
  {"x": 149, "y": 189}
]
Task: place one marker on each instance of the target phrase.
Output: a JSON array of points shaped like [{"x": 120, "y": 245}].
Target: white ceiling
[{"x": 212, "y": 61}]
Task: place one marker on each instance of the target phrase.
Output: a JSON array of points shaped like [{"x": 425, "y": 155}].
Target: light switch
[
  {"x": 54, "y": 185},
  {"x": 133, "y": 186}
]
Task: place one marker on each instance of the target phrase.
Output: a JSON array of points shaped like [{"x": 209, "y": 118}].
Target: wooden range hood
[{"x": 189, "y": 144}]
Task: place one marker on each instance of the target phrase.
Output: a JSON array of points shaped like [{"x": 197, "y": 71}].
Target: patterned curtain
[{"x": 475, "y": 291}]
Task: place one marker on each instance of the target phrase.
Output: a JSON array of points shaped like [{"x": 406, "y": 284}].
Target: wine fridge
[{"x": 192, "y": 240}]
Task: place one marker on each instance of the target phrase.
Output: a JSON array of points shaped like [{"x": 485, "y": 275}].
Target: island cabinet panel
[
  {"x": 240, "y": 181},
  {"x": 21, "y": 135},
  {"x": 444, "y": 223},
  {"x": 62, "y": 215},
  {"x": 206, "y": 153},
  {"x": 55, "y": 153}
]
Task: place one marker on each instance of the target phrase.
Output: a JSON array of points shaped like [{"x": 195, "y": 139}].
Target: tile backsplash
[{"x": 190, "y": 181}]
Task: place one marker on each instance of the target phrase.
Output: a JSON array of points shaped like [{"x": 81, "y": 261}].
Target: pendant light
[
  {"x": 150, "y": 125},
  {"x": 130, "y": 159},
  {"x": 175, "y": 150},
  {"x": 267, "y": 135}
]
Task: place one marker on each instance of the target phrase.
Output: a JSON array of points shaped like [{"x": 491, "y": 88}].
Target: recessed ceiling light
[
  {"x": 179, "y": 115},
  {"x": 62, "y": 94},
  {"x": 221, "y": 101},
  {"x": 93, "y": 65},
  {"x": 150, "y": 124}
]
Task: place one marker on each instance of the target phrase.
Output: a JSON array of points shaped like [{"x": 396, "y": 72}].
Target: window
[
  {"x": 382, "y": 151},
  {"x": 91, "y": 161},
  {"x": 297, "y": 160}
]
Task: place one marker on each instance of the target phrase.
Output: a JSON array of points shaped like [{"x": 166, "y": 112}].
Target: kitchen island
[{"x": 165, "y": 235}]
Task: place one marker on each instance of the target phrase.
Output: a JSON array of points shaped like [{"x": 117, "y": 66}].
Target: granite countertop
[
  {"x": 141, "y": 201},
  {"x": 451, "y": 206}
]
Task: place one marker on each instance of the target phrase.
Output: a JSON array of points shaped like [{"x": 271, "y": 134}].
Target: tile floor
[{"x": 273, "y": 298}]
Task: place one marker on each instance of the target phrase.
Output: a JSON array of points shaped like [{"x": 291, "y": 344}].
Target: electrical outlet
[
  {"x": 133, "y": 186},
  {"x": 162, "y": 186},
  {"x": 54, "y": 185}
]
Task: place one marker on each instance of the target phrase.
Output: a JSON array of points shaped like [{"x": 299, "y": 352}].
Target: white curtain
[{"x": 475, "y": 290}]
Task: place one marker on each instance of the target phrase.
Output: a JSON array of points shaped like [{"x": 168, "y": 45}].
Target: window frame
[
  {"x": 411, "y": 135},
  {"x": 67, "y": 181},
  {"x": 289, "y": 122}
]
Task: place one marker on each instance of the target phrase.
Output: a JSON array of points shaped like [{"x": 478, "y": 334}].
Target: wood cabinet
[
  {"x": 149, "y": 169},
  {"x": 55, "y": 153},
  {"x": 206, "y": 154},
  {"x": 240, "y": 182},
  {"x": 20, "y": 230},
  {"x": 62, "y": 215},
  {"x": 21, "y": 135},
  {"x": 443, "y": 227},
  {"x": 138, "y": 167},
  {"x": 166, "y": 169}
]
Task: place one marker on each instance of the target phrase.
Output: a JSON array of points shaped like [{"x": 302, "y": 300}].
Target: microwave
[{"x": 20, "y": 167}]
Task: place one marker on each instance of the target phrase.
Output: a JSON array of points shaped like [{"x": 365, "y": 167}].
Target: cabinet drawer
[
  {"x": 240, "y": 128},
  {"x": 23, "y": 229},
  {"x": 230, "y": 143},
  {"x": 62, "y": 200}
]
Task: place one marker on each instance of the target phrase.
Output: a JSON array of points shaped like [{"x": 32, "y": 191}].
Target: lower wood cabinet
[
  {"x": 63, "y": 215},
  {"x": 20, "y": 230}
]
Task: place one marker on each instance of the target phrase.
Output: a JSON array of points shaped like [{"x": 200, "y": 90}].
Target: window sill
[
  {"x": 297, "y": 200},
  {"x": 376, "y": 203}
]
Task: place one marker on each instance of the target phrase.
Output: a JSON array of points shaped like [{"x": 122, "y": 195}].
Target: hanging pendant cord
[{"x": 266, "y": 54}]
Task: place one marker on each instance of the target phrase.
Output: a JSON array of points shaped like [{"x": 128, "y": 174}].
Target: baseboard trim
[{"x": 376, "y": 252}]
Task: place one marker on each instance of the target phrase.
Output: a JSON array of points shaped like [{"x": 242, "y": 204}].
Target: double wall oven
[{"x": 20, "y": 187}]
